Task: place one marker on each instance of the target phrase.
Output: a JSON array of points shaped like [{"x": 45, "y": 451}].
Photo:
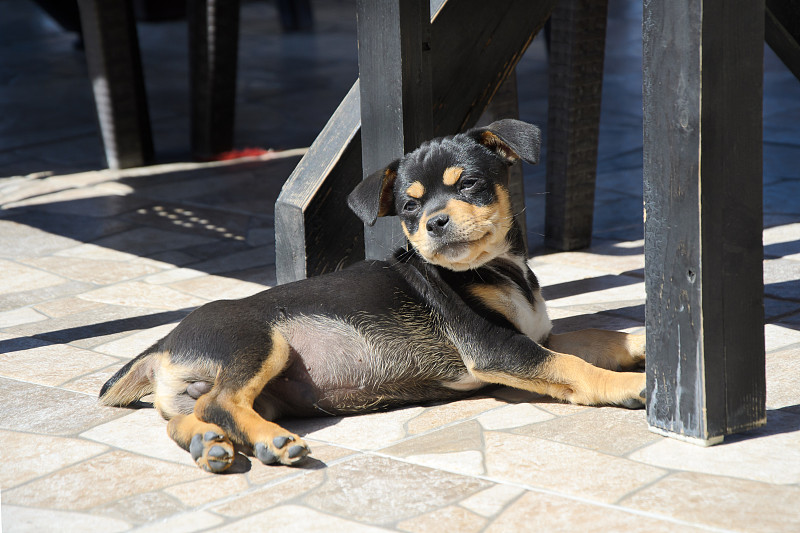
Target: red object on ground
[{"x": 237, "y": 154}]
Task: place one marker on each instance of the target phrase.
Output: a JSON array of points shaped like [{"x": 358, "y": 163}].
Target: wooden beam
[
  {"x": 577, "y": 47},
  {"x": 782, "y": 32},
  {"x": 703, "y": 69},
  {"x": 314, "y": 231},
  {"x": 395, "y": 79},
  {"x": 115, "y": 67}
]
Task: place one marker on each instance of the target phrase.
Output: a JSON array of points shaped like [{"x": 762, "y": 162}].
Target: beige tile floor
[{"x": 97, "y": 266}]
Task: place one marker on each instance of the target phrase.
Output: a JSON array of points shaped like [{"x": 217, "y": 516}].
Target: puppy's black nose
[{"x": 438, "y": 224}]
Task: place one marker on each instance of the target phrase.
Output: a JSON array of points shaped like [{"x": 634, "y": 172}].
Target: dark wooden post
[
  {"x": 577, "y": 47},
  {"x": 396, "y": 110},
  {"x": 703, "y": 67},
  {"x": 112, "y": 55},
  {"x": 213, "y": 46}
]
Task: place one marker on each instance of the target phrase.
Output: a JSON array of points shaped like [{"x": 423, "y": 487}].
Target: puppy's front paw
[
  {"x": 634, "y": 393},
  {"x": 635, "y": 403}
]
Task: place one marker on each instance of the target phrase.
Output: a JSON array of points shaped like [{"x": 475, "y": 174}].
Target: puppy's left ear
[
  {"x": 511, "y": 139},
  {"x": 374, "y": 196}
]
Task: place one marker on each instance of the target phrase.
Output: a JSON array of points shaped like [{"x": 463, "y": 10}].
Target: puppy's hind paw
[
  {"x": 212, "y": 451},
  {"x": 283, "y": 449}
]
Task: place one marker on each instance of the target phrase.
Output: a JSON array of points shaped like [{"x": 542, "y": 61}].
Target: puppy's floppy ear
[
  {"x": 511, "y": 139},
  {"x": 374, "y": 196}
]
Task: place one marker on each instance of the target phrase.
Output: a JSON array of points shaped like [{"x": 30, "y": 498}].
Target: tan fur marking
[
  {"x": 572, "y": 379},
  {"x": 136, "y": 384},
  {"x": 420, "y": 237},
  {"x": 387, "y": 199},
  {"x": 416, "y": 190},
  {"x": 240, "y": 402},
  {"x": 451, "y": 175},
  {"x": 271, "y": 367},
  {"x": 496, "y": 299},
  {"x": 494, "y": 142},
  {"x": 612, "y": 350},
  {"x": 182, "y": 428}
]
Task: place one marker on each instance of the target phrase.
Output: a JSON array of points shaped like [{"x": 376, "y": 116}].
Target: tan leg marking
[
  {"x": 612, "y": 350},
  {"x": 572, "y": 379},
  {"x": 270, "y": 442},
  {"x": 210, "y": 448}
]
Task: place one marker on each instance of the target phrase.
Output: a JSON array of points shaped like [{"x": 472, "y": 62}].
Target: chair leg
[
  {"x": 213, "y": 49},
  {"x": 112, "y": 55},
  {"x": 577, "y": 46}
]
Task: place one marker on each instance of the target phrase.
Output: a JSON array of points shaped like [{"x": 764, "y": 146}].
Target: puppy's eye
[
  {"x": 410, "y": 206},
  {"x": 467, "y": 184}
]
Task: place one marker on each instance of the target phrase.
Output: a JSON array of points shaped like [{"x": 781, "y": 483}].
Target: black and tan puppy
[{"x": 457, "y": 311}]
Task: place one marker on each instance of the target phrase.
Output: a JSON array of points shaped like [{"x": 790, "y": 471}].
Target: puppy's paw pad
[
  {"x": 212, "y": 451},
  {"x": 283, "y": 449}
]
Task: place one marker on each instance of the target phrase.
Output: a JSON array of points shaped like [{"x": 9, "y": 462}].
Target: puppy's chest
[{"x": 509, "y": 294}]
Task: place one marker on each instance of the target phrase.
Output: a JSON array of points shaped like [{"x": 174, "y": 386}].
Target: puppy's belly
[{"x": 338, "y": 368}]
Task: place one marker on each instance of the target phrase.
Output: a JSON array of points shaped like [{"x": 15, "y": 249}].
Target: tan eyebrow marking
[
  {"x": 451, "y": 175},
  {"x": 416, "y": 190}
]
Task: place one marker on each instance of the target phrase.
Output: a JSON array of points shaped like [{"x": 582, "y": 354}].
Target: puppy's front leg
[
  {"x": 613, "y": 350},
  {"x": 563, "y": 376}
]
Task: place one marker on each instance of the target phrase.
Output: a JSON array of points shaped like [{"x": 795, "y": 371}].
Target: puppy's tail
[{"x": 134, "y": 380}]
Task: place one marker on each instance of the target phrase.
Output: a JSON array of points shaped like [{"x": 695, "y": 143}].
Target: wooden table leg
[
  {"x": 112, "y": 55},
  {"x": 703, "y": 68}
]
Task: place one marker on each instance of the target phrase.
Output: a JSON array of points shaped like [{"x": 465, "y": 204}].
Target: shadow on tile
[
  {"x": 779, "y": 421},
  {"x": 583, "y": 286},
  {"x": 101, "y": 329}
]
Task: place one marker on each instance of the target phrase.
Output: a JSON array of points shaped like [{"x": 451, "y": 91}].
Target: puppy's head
[{"x": 450, "y": 193}]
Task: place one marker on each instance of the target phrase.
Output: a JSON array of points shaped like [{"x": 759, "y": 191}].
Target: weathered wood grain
[
  {"x": 395, "y": 78},
  {"x": 703, "y": 67}
]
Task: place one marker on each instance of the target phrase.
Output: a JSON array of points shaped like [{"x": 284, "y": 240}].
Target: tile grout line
[{"x": 580, "y": 499}]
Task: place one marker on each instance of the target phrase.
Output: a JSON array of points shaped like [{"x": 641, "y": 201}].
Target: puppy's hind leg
[{"x": 225, "y": 415}]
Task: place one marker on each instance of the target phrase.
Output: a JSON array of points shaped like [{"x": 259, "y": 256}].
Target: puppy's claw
[
  {"x": 298, "y": 451},
  {"x": 281, "y": 441}
]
